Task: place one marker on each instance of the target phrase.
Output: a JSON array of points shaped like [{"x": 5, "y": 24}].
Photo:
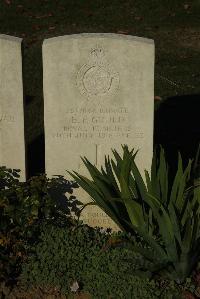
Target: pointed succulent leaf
[
  {"x": 182, "y": 186},
  {"x": 159, "y": 251},
  {"x": 163, "y": 178}
]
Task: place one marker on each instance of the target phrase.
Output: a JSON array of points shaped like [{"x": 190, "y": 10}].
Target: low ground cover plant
[
  {"x": 24, "y": 206},
  {"x": 81, "y": 259}
]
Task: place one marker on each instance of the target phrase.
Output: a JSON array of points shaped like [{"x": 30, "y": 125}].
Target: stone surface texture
[
  {"x": 98, "y": 94},
  {"x": 12, "y": 144}
]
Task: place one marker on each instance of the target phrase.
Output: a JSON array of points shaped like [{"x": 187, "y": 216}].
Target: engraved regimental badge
[{"x": 97, "y": 78}]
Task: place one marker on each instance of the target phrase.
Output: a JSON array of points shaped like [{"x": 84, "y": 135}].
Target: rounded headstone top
[
  {"x": 99, "y": 35},
  {"x": 10, "y": 38}
]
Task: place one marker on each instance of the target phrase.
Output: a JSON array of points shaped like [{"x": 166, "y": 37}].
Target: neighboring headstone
[
  {"x": 98, "y": 94},
  {"x": 12, "y": 145}
]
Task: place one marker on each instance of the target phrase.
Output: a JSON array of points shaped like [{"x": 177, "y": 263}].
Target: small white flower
[
  {"x": 103, "y": 229},
  {"x": 74, "y": 287}
]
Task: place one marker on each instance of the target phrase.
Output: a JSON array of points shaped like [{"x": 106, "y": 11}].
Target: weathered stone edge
[
  {"x": 10, "y": 38},
  {"x": 96, "y": 35}
]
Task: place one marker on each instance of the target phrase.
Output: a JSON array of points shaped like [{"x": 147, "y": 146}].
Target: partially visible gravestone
[
  {"x": 98, "y": 94},
  {"x": 12, "y": 145}
]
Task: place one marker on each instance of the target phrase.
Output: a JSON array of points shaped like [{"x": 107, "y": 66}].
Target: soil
[{"x": 18, "y": 292}]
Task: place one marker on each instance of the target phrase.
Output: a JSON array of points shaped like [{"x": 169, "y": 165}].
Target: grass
[{"x": 174, "y": 25}]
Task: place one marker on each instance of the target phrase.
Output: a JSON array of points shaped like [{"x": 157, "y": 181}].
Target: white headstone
[
  {"x": 98, "y": 94},
  {"x": 12, "y": 145}
]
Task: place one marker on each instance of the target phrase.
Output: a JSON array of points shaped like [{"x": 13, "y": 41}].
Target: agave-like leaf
[
  {"x": 139, "y": 181},
  {"x": 106, "y": 193},
  {"x": 187, "y": 237},
  {"x": 102, "y": 182},
  {"x": 183, "y": 267},
  {"x": 146, "y": 252},
  {"x": 163, "y": 178},
  {"x": 149, "y": 183},
  {"x": 159, "y": 253},
  {"x": 188, "y": 206},
  {"x": 85, "y": 182},
  {"x": 175, "y": 186},
  {"x": 196, "y": 193},
  {"x": 110, "y": 174},
  {"x": 92, "y": 190},
  {"x": 126, "y": 165},
  {"x": 133, "y": 187},
  {"x": 119, "y": 164},
  {"x": 167, "y": 220},
  {"x": 154, "y": 185},
  {"x": 165, "y": 227},
  {"x": 196, "y": 165},
  {"x": 175, "y": 222},
  {"x": 116, "y": 165},
  {"x": 149, "y": 215},
  {"x": 125, "y": 191},
  {"x": 134, "y": 209},
  {"x": 182, "y": 186},
  {"x": 94, "y": 172}
]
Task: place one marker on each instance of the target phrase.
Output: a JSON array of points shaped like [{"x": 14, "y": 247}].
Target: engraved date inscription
[{"x": 102, "y": 123}]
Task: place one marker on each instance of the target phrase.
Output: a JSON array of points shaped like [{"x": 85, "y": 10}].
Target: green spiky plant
[{"x": 165, "y": 214}]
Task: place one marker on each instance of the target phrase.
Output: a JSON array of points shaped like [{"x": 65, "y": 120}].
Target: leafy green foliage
[
  {"x": 23, "y": 207},
  {"x": 81, "y": 254},
  {"x": 166, "y": 215},
  {"x": 61, "y": 256}
]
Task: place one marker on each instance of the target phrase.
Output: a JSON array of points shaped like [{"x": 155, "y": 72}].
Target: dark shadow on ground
[
  {"x": 36, "y": 157},
  {"x": 177, "y": 127}
]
